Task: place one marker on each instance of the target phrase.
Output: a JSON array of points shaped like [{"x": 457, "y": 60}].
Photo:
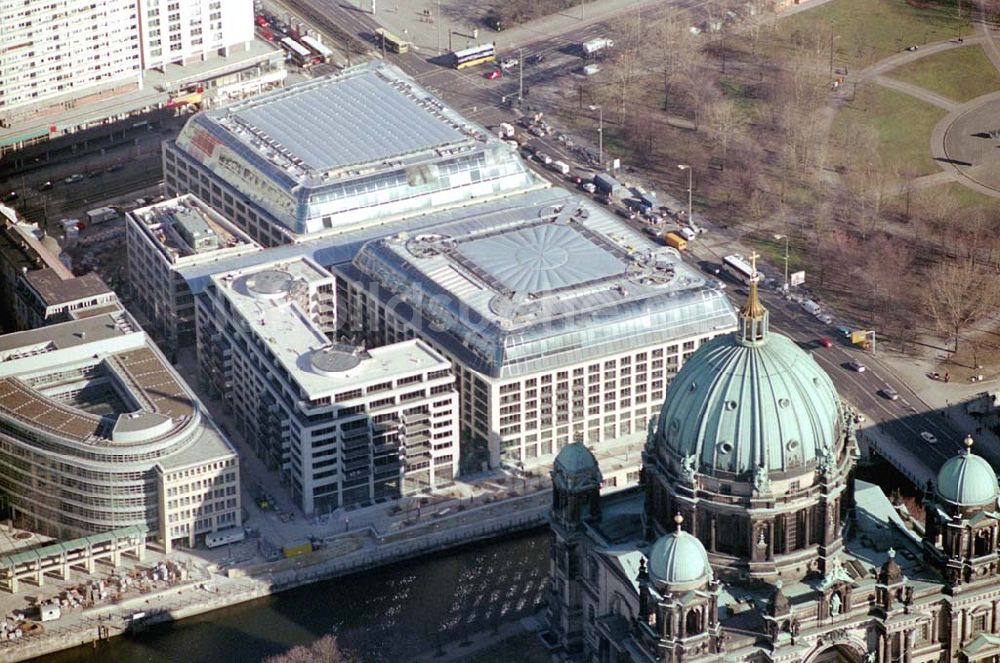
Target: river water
[{"x": 382, "y": 615}]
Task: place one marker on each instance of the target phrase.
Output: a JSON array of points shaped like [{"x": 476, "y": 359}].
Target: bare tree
[
  {"x": 960, "y": 293},
  {"x": 325, "y": 650}
]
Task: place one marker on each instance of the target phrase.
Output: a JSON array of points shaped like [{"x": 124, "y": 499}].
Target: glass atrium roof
[{"x": 546, "y": 282}]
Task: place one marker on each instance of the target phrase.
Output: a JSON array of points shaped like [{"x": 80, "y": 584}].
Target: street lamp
[
  {"x": 784, "y": 237},
  {"x": 600, "y": 133},
  {"x": 687, "y": 167}
]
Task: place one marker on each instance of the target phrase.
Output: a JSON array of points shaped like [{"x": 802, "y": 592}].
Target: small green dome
[
  {"x": 575, "y": 468},
  {"x": 967, "y": 479},
  {"x": 740, "y": 403},
  {"x": 679, "y": 561}
]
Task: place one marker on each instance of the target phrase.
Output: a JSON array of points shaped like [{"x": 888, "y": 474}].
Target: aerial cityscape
[{"x": 548, "y": 331}]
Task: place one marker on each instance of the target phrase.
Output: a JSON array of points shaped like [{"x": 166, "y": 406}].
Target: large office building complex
[
  {"x": 98, "y": 432},
  {"x": 561, "y": 321},
  {"x": 165, "y": 238},
  {"x": 344, "y": 425},
  {"x": 363, "y": 147}
]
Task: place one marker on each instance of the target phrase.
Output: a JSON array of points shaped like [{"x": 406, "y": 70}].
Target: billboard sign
[{"x": 796, "y": 278}]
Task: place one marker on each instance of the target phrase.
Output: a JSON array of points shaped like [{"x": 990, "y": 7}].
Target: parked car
[
  {"x": 493, "y": 75},
  {"x": 929, "y": 438},
  {"x": 857, "y": 366},
  {"x": 825, "y": 342},
  {"x": 889, "y": 393},
  {"x": 72, "y": 179}
]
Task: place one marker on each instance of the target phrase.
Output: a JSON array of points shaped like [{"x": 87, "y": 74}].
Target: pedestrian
[{"x": 947, "y": 378}]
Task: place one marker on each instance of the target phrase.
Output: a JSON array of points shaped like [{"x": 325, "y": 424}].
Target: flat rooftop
[
  {"x": 122, "y": 352},
  {"x": 265, "y": 298},
  {"x": 185, "y": 227},
  {"x": 56, "y": 290}
]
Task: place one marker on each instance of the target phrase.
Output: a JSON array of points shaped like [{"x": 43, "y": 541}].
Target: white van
[
  {"x": 560, "y": 167},
  {"x": 687, "y": 233}
]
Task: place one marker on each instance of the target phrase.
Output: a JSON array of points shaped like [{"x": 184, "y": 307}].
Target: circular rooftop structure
[
  {"x": 335, "y": 359},
  {"x": 270, "y": 283},
  {"x": 967, "y": 479},
  {"x": 679, "y": 561}
]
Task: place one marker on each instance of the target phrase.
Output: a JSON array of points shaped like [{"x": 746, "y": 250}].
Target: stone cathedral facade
[{"x": 750, "y": 540}]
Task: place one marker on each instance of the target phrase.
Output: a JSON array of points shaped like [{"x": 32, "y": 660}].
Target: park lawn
[
  {"x": 869, "y": 30},
  {"x": 967, "y": 199},
  {"x": 960, "y": 73},
  {"x": 903, "y": 124}
]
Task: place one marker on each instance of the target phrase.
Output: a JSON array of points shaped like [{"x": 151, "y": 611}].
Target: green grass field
[
  {"x": 960, "y": 74},
  {"x": 967, "y": 199},
  {"x": 903, "y": 124},
  {"x": 869, "y": 30}
]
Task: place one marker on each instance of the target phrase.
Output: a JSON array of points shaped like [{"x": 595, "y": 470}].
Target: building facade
[
  {"x": 560, "y": 320},
  {"x": 750, "y": 540},
  {"x": 51, "y": 49},
  {"x": 343, "y": 425},
  {"x": 55, "y": 53},
  {"x": 390, "y": 150},
  {"x": 98, "y": 432},
  {"x": 162, "y": 240},
  {"x": 184, "y": 31}
]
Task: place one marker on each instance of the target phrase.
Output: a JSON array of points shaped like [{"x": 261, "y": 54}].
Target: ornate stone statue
[
  {"x": 835, "y": 605},
  {"x": 871, "y": 657},
  {"x": 761, "y": 481},
  {"x": 650, "y": 433},
  {"x": 689, "y": 468}
]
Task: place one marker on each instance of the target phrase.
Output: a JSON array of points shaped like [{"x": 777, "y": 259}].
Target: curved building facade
[{"x": 98, "y": 432}]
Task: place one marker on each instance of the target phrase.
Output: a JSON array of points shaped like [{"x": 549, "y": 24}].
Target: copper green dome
[
  {"x": 967, "y": 479},
  {"x": 575, "y": 468},
  {"x": 748, "y": 400},
  {"x": 679, "y": 561}
]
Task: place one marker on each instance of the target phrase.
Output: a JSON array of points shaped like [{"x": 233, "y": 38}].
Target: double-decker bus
[
  {"x": 470, "y": 57},
  {"x": 298, "y": 53},
  {"x": 740, "y": 269},
  {"x": 321, "y": 50},
  {"x": 390, "y": 42}
]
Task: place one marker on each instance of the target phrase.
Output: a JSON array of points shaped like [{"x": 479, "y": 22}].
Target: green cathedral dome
[
  {"x": 748, "y": 400},
  {"x": 967, "y": 479}
]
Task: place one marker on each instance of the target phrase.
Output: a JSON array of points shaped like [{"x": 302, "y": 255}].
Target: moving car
[
  {"x": 889, "y": 393},
  {"x": 825, "y": 342},
  {"x": 508, "y": 63},
  {"x": 75, "y": 177},
  {"x": 493, "y": 75},
  {"x": 844, "y": 331},
  {"x": 929, "y": 438},
  {"x": 45, "y": 186},
  {"x": 857, "y": 366},
  {"x": 537, "y": 58}
]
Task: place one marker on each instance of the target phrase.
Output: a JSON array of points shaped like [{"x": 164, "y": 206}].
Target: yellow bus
[
  {"x": 470, "y": 57},
  {"x": 390, "y": 42}
]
